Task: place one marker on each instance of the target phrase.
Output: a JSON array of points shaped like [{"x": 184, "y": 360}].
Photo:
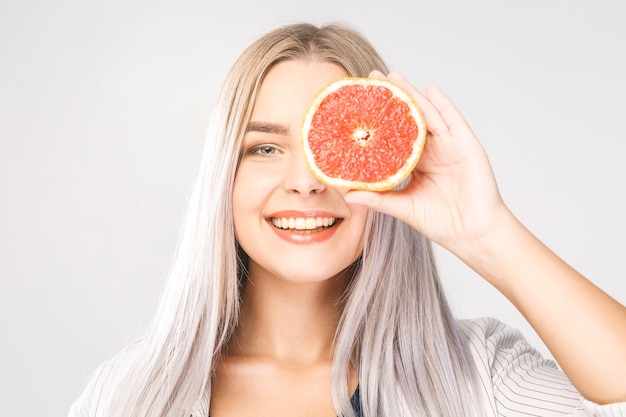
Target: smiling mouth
[{"x": 304, "y": 224}]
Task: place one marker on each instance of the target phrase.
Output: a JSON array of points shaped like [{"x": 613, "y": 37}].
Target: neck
[{"x": 291, "y": 323}]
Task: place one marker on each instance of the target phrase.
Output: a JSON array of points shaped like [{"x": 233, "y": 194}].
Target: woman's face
[{"x": 292, "y": 226}]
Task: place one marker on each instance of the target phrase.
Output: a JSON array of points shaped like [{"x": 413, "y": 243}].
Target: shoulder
[
  {"x": 496, "y": 343},
  {"x": 109, "y": 379},
  {"x": 96, "y": 398},
  {"x": 502, "y": 350},
  {"x": 518, "y": 380}
]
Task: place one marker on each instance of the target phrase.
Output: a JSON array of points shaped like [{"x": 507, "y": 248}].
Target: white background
[{"x": 103, "y": 108}]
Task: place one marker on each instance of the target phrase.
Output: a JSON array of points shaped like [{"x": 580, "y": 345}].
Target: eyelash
[{"x": 257, "y": 150}]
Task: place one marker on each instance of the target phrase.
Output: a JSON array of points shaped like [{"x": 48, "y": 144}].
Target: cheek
[
  {"x": 251, "y": 190},
  {"x": 246, "y": 182},
  {"x": 360, "y": 219}
]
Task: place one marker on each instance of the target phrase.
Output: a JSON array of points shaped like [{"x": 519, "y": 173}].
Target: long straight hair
[{"x": 396, "y": 327}]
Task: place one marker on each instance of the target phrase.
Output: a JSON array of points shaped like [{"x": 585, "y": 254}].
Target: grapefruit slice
[{"x": 363, "y": 133}]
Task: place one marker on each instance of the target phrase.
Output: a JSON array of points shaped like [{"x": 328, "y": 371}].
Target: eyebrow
[{"x": 267, "y": 127}]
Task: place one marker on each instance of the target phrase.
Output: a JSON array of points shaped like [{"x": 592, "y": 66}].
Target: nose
[{"x": 299, "y": 179}]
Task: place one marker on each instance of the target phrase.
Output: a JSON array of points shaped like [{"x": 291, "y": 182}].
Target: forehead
[{"x": 290, "y": 86}]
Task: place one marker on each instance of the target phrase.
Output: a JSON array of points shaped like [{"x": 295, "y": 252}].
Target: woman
[{"x": 289, "y": 297}]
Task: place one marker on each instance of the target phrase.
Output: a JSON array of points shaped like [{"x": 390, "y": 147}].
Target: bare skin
[
  {"x": 279, "y": 362},
  {"x": 280, "y": 358},
  {"x": 454, "y": 200}
]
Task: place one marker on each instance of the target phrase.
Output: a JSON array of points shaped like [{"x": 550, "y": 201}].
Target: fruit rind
[{"x": 390, "y": 181}]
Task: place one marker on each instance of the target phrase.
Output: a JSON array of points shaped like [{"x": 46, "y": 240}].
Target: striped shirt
[{"x": 517, "y": 380}]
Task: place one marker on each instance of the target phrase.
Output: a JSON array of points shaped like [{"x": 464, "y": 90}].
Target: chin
[{"x": 308, "y": 272}]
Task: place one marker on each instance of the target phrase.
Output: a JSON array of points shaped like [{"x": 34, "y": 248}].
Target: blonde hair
[{"x": 396, "y": 328}]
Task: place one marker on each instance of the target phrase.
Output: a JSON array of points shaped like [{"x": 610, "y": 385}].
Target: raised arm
[{"x": 453, "y": 199}]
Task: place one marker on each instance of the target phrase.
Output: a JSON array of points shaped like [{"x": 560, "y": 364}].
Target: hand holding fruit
[{"x": 451, "y": 196}]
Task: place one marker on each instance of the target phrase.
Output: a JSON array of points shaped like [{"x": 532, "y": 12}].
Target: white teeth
[
  {"x": 303, "y": 223},
  {"x": 300, "y": 223}
]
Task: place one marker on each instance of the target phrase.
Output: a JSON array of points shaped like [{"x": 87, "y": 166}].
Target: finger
[
  {"x": 434, "y": 122},
  {"x": 379, "y": 201},
  {"x": 377, "y": 74},
  {"x": 449, "y": 113}
]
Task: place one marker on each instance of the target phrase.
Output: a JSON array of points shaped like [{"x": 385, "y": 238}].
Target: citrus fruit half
[{"x": 363, "y": 133}]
